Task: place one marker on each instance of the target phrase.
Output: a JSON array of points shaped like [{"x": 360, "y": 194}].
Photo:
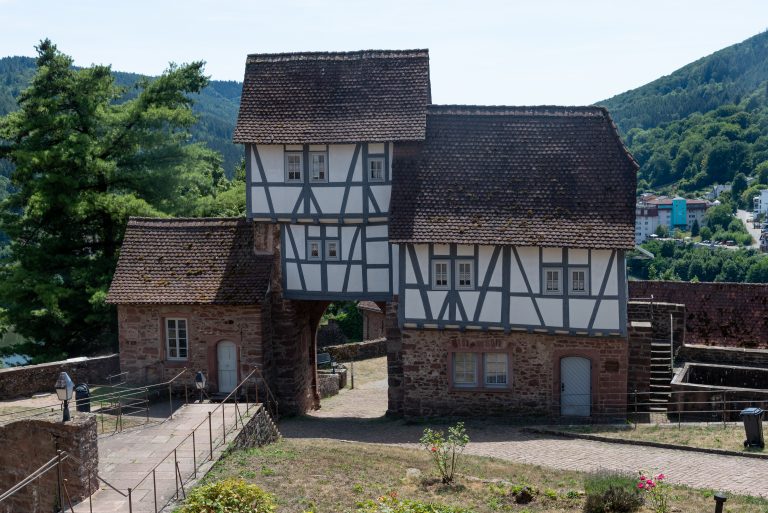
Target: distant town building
[
  {"x": 761, "y": 202},
  {"x": 675, "y": 213}
]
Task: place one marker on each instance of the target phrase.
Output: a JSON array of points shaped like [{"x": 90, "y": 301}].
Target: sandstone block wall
[
  {"x": 725, "y": 355},
  {"x": 31, "y": 379},
  {"x": 142, "y": 340},
  {"x": 535, "y": 368},
  {"x": 374, "y": 324},
  {"x": 639, "y": 375},
  {"x": 719, "y": 314},
  {"x": 258, "y": 431},
  {"x": 28, "y": 444},
  {"x": 358, "y": 350}
]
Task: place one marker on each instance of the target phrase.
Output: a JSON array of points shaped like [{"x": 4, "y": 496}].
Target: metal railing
[{"x": 193, "y": 439}]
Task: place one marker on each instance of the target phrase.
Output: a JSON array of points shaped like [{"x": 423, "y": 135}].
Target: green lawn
[{"x": 334, "y": 476}]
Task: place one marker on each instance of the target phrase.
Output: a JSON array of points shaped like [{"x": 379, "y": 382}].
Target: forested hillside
[
  {"x": 704, "y": 124},
  {"x": 216, "y": 106}
]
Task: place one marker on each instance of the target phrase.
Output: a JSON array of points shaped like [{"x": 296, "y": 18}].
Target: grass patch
[
  {"x": 334, "y": 476},
  {"x": 714, "y": 436}
]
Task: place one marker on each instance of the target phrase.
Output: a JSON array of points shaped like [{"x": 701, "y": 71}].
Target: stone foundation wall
[
  {"x": 142, "y": 340},
  {"x": 31, "y": 379},
  {"x": 534, "y": 380},
  {"x": 327, "y": 384},
  {"x": 374, "y": 324},
  {"x": 395, "y": 377},
  {"x": 358, "y": 350},
  {"x": 28, "y": 444}
]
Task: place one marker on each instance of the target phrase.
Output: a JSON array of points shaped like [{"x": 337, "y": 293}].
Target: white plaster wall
[
  {"x": 529, "y": 256},
  {"x": 522, "y": 312},
  {"x": 607, "y": 316},
  {"x": 580, "y": 312}
]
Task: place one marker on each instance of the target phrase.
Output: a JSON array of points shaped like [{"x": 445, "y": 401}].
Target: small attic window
[{"x": 376, "y": 169}]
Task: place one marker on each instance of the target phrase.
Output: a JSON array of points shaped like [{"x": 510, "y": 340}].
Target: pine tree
[{"x": 85, "y": 159}]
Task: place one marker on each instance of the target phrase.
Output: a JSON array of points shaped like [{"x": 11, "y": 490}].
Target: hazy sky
[{"x": 481, "y": 51}]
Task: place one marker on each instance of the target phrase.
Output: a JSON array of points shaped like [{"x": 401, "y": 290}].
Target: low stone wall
[
  {"x": 358, "y": 350},
  {"x": 28, "y": 444},
  {"x": 259, "y": 430},
  {"x": 724, "y": 355},
  {"x": 31, "y": 379},
  {"x": 639, "y": 375},
  {"x": 329, "y": 383}
]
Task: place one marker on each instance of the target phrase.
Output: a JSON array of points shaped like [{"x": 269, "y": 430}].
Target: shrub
[
  {"x": 446, "y": 451},
  {"x": 230, "y": 495},
  {"x": 391, "y": 504},
  {"x": 611, "y": 493}
]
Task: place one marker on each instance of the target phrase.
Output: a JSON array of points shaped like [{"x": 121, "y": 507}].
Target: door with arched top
[
  {"x": 227, "y": 361},
  {"x": 575, "y": 386}
]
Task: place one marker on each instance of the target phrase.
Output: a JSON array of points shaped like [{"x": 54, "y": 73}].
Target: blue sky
[{"x": 481, "y": 51}]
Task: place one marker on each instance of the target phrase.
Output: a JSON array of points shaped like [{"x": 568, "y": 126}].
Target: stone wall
[
  {"x": 358, "y": 350},
  {"x": 327, "y": 384},
  {"x": 258, "y": 431},
  {"x": 31, "y": 379},
  {"x": 725, "y": 355},
  {"x": 395, "y": 377},
  {"x": 28, "y": 444},
  {"x": 373, "y": 324},
  {"x": 639, "y": 376},
  {"x": 142, "y": 340},
  {"x": 660, "y": 315},
  {"x": 534, "y": 380},
  {"x": 719, "y": 314}
]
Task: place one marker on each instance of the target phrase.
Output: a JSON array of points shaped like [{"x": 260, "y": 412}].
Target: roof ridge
[
  {"x": 518, "y": 110},
  {"x": 348, "y": 55},
  {"x": 137, "y": 220}
]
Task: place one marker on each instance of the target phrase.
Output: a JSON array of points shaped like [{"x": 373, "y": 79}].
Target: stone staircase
[{"x": 661, "y": 376}]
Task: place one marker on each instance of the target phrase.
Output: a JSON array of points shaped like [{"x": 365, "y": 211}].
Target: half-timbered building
[{"x": 496, "y": 236}]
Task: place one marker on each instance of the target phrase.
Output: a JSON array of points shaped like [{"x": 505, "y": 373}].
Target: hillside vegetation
[
  {"x": 216, "y": 107},
  {"x": 703, "y": 124}
]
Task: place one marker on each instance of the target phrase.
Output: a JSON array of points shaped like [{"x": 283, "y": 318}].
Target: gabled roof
[
  {"x": 189, "y": 261},
  {"x": 528, "y": 176},
  {"x": 318, "y": 97}
]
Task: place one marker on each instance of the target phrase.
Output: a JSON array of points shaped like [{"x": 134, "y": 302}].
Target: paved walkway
[
  {"x": 700, "y": 470},
  {"x": 126, "y": 458}
]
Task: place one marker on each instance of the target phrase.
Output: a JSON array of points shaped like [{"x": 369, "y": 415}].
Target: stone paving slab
[{"x": 126, "y": 458}]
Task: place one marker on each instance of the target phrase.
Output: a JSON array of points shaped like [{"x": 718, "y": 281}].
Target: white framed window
[
  {"x": 579, "y": 281},
  {"x": 332, "y": 249},
  {"x": 465, "y": 274},
  {"x": 293, "y": 167},
  {"x": 496, "y": 369},
  {"x": 318, "y": 167},
  {"x": 376, "y": 169},
  {"x": 313, "y": 250},
  {"x": 552, "y": 280},
  {"x": 441, "y": 275},
  {"x": 464, "y": 369},
  {"x": 176, "y": 339}
]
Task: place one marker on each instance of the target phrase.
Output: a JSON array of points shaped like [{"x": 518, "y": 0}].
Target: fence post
[
  {"x": 170, "y": 402},
  {"x": 59, "y": 479},
  {"x": 194, "y": 455},
  {"x": 154, "y": 488},
  {"x": 176, "y": 473},
  {"x": 90, "y": 492},
  {"x": 724, "y": 414},
  {"x": 130, "y": 501},
  {"x": 223, "y": 424},
  {"x": 210, "y": 434}
]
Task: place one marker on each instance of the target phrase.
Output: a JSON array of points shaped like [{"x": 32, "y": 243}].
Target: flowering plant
[
  {"x": 656, "y": 489},
  {"x": 445, "y": 451}
]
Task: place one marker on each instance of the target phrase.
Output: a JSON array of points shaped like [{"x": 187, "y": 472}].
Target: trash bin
[
  {"x": 753, "y": 425},
  {"x": 83, "y": 398}
]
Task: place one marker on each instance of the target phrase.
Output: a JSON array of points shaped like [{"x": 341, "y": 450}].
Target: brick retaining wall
[{"x": 31, "y": 379}]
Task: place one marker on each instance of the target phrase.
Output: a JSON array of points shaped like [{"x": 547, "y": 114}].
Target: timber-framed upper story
[{"x": 475, "y": 217}]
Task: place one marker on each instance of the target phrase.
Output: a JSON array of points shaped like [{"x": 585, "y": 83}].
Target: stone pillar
[
  {"x": 28, "y": 444},
  {"x": 396, "y": 390},
  {"x": 639, "y": 379}
]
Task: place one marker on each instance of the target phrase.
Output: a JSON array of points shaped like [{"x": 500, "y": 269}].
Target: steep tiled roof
[
  {"x": 188, "y": 261},
  {"x": 317, "y": 97},
  {"x": 530, "y": 176}
]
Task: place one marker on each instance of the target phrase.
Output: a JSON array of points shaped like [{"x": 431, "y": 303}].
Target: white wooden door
[
  {"x": 227, "y": 358},
  {"x": 575, "y": 386}
]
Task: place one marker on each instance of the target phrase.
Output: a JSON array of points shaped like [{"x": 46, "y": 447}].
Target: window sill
[
  {"x": 175, "y": 363},
  {"x": 493, "y": 390}
]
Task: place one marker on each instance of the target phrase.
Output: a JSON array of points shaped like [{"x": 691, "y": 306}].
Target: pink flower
[
  {"x": 641, "y": 485},
  {"x": 433, "y": 449},
  {"x": 660, "y": 477},
  {"x": 643, "y": 478}
]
